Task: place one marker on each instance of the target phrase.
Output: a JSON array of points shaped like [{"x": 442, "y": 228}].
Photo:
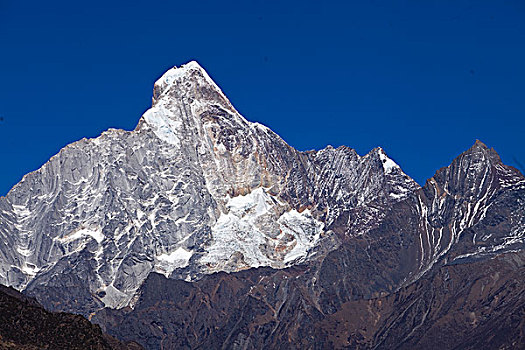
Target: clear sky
[{"x": 422, "y": 79}]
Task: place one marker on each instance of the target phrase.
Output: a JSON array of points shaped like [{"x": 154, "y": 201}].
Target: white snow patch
[
  {"x": 167, "y": 262},
  {"x": 21, "y": 210},
  {"x": 388, "y": 164},
  {"x": 238, "y": 231},
  {"x": 23, "y": 251},
  {"x": 180, "y": 254},
  {"x": 256, "y": 202},
  {"x": 114, "y": 298},
  {"x": 97, "y": 235},
  {"x": 304, "y": 228},
  {"x": 397, "y": 195},
  {"x": 29, "y": 269},
  {"x": 163, "y": 126}
]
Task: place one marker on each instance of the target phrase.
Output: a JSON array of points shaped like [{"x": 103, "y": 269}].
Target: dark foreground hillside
[{"x": 25, "y": 324}]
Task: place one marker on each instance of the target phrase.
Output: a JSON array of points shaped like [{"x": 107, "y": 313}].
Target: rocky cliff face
[{"x": 205, "y": 230}]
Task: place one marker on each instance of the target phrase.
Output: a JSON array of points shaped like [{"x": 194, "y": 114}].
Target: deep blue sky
[{"x": 422, "y": 79}]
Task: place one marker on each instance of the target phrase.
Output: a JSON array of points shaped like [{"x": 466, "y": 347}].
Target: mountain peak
[
  {"x": 176, "y": 73},
  {"x": 184, "y": 98},
  {"x": 194, "y": 77},
  {"x": 479, "y": 149},
  {"x": 479, "y": 143},
  {"x": 468, "y": 173},
  {"x": 478, "y": 146}
]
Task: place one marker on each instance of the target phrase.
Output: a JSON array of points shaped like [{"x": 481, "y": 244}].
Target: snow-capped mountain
[
  {"x": 194, "y": 189},
  {"x": 200, "y": 229}
]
